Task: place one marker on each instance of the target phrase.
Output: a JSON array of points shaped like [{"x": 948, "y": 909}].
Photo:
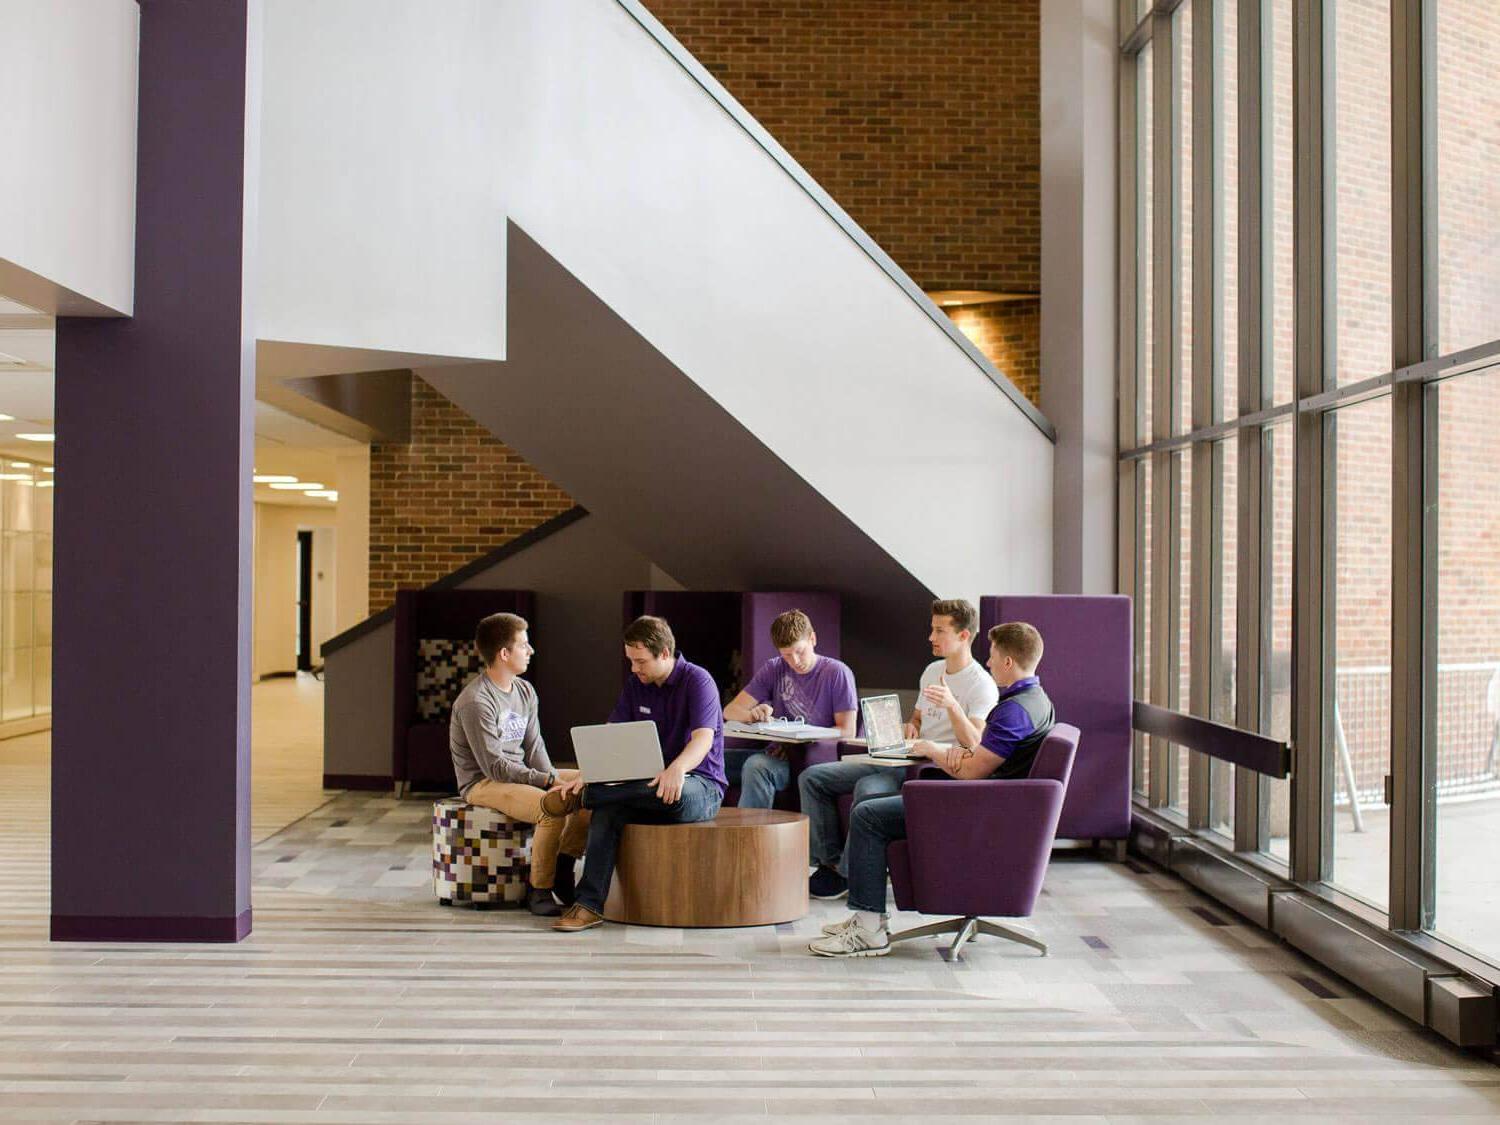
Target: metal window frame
[
  {"x": 1314, "y": 289},
  {"x": 1165, "y": 328},
  {"x": 1414, "y": 486},
  {"x": 1412, "y": 383},
  {"x": 1207, "y": 593}
]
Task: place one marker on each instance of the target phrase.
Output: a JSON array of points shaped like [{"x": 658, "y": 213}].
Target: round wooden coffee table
[{"x": 746, "y": 867}]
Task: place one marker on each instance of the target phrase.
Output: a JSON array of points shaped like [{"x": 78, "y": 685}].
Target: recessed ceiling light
[
  {"x": 273, "y": 478},
  {"x": 6, "y": 418},
  {"x": 326, "y": 493},
  {"x": 48, "y": 469},
  {"x": 20, "y": 464},
  {"x": 15, "y": 476},
  {"x": 37, "y": 437},
  {"x": 45, "y": 483},
  {"x": 298, "y": 486}
]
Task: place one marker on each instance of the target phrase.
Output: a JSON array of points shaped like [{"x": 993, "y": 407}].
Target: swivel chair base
[{"x": 966, "y": 928}]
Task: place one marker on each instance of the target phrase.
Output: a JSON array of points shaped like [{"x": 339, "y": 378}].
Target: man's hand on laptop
[
  {"x": 668, "y": 784},
  {"x": 950, "y": 758},
  {"x": 909, "y": 732}
]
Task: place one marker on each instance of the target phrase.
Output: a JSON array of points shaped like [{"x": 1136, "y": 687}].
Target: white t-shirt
[{"x": 974, "y": 688}]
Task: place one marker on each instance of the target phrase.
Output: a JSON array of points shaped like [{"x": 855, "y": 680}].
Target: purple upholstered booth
[
  {"x": 1086, "y": 669},
  {"x": 419, "y": 754},
  {"x": 757, "y": 611},
  {"x": 1011, "y": 824}
]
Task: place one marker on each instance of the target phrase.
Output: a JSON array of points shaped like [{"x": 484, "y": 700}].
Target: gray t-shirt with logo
[{"x": 495, "y": 734}]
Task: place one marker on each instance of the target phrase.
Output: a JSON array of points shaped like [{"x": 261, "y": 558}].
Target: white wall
[
  {"x": 275, "y": 594},
  {"x": 352, "y": 521},
  {"x": 397, "y": 136},
  {"x": 67, "y": 129},
  {"x": 325, "y": 587}
]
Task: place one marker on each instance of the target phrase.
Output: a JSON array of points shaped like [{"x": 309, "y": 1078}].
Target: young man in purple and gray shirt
[
  {"x": 1005, "y": 748},
  {"x": 683, "y": 701},
  {"x": 797, "y": 683}
]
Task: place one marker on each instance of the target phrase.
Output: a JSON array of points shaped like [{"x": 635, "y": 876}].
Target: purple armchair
[{"x": 1011, "y": 824}]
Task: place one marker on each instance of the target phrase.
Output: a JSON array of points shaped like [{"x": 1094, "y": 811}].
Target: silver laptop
[
  {"x": 884, "y": 729},
  {"x": 617, "y": 751}
]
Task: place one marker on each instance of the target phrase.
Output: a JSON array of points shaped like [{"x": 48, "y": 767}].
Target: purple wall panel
[
  {"x": 1086, "y": 671},
  {"x": 151, "y": 729}
]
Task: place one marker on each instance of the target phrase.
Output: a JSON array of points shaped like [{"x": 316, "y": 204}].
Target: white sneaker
[
  {"x": 853, "y": 941},
  {"x": 839, "y": 927}
]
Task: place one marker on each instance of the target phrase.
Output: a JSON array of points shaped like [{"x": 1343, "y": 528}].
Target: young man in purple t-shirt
[
  {"x": 795, "y": 684},
  {"x": 683, "y": 701}
]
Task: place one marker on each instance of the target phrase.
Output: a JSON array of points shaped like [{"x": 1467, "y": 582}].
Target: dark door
[{"x": 304, "y": 600}]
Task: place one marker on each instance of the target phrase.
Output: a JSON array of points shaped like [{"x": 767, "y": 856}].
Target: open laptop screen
[{"x": 882, "y": 716}]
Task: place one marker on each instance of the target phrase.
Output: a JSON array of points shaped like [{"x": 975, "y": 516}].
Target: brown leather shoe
[
  {"x": 577, "y": 917},
  {"x": 555, "y": 804}
]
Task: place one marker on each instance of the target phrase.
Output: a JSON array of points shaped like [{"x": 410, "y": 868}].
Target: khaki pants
[{"x": 553, "y": 834}]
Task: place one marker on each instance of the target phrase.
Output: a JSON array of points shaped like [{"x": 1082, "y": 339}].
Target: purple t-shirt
[
  {"x": 814, "y": 697},
  {"x": 1016, "y": 726},
  {"x": 685, "y": 702}
]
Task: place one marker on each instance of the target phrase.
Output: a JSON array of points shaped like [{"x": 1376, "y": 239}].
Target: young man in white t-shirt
[{"x": 957, "y": 692}]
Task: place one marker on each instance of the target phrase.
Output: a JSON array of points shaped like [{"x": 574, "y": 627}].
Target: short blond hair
[
  {"x": 790, "y": 627},
  {"x": 1019, "y": 641}
]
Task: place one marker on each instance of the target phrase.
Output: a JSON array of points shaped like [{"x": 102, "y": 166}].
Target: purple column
[{"x": 151, "y": 727}]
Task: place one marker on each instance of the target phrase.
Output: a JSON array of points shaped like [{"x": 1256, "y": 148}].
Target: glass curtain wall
[
  {"x": 25, "y": 589},
  {"x": 1314, "y": 386}
]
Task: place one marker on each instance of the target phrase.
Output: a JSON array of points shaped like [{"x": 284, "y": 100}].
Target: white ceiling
[{"x": 284, "y": 443}]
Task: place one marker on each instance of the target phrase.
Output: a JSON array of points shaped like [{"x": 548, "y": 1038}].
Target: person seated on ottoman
[
  {"x": 683, "y": 701},
  {"x": 795, "y": 684},
  {"x": 501, "y": 761},
  {"x": 1013, "y": 732}
]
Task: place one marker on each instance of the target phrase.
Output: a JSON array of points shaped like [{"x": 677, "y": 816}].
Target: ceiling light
[
  {"x": 15, "y": 476},
  {"x": 6, "y": 418},
  {"x": 28, "y": 483},
  {"x": 272, "y": 478},
  {"x": 45, "y": 483},
  {"x": 298, "y": 486},
  {"x": 20, "y": 464},
  {"x": 325, "y": 493},
  {"x": 958, "y": 298},
  {"x": 37, "y": 437},
  {"x": 48, "y": 469}
]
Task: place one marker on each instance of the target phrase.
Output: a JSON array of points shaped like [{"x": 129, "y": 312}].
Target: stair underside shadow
[{"x": 598, "y": 410}]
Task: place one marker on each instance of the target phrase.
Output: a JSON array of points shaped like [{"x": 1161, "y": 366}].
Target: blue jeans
[
  {"x": 764, "y": 776},
  {"x": 821, "y": 787},
  {"x": 873, "y": 826},
  {"x": 633, "y": 802}
]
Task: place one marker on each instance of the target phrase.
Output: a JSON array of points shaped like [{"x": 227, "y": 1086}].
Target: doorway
[{"x": 304, "y": 601}]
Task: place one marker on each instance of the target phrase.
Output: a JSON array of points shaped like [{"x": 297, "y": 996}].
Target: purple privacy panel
[
  {"x": 155, "y": 430},
  {"x": 1086, "y": 671},
  {"x": 757, "y": 611}
]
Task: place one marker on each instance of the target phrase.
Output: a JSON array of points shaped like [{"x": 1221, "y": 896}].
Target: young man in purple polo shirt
[
  {"x": 1006, "y": 748},
  {"x": 797, "y": 683},
  {"x": 683, "y": 701}
]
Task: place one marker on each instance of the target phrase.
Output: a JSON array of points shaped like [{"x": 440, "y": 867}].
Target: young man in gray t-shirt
[{"x": 501, "y": 760}]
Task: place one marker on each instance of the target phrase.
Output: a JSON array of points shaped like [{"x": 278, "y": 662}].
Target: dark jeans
[
  {"x": 873, "y": 826},
  {"x": 633, "y": 802}
]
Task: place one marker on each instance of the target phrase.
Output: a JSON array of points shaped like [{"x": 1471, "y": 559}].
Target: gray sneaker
[
  {"x": 853, "y": 941},
  {"x": 832, "y": 928}
]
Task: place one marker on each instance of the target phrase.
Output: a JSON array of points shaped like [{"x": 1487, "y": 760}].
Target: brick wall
[
  {"x": 921, "y": 119},
  {"x": 451, "y": 494}
]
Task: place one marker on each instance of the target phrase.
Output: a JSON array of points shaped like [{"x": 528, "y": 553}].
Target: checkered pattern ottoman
[{"x": 479, "y": 856}]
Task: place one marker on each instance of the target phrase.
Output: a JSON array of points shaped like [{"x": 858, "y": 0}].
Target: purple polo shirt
[
  {"x": 826, "y": 689},
  {"x": 687, "y": 701},
  {"x": 1016, "y": 726}
]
